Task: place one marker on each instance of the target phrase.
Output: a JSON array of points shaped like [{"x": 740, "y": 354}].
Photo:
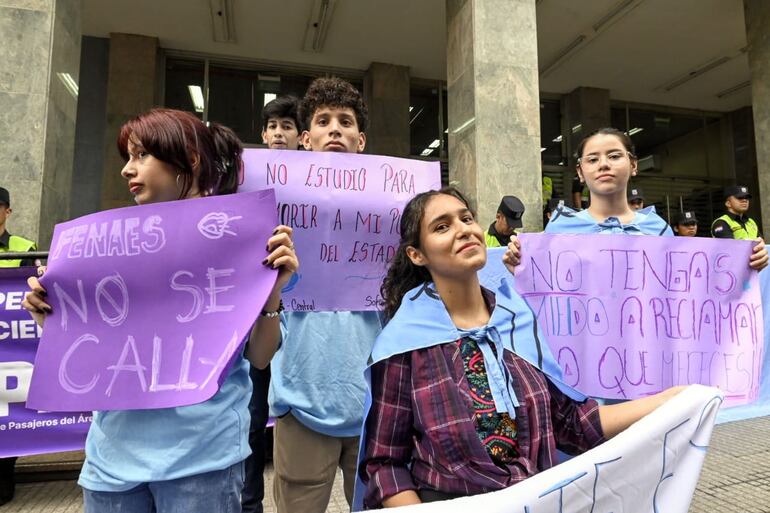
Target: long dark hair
[
  {"x": 179, "y": 138},
  {"x": 402, "y": 274}
]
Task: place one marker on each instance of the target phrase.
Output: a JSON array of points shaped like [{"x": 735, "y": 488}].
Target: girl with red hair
[{"x": 185, "y": 459}]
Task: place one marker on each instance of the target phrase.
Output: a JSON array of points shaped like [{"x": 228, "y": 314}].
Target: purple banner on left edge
[
  {"x": 152, "y": 303},
  {"x": 24, "y": 431}
]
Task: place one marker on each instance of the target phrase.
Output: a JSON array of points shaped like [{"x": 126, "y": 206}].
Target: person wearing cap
[
  {"x": 686, "y": 224},
  {"x": 550, "y": 207},
  {"x": 580, "y": 194},
  {"x": 508, "y": 218},
  {"x": 606, "y": 161},
  {"x": 10, "y": 243},
  {"x": 735, "y": 224},
  {"x": 635, "y": 198}
]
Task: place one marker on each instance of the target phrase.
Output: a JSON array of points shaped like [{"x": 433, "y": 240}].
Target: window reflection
[
  {"x": 184, "y": 85},
  {"x": 424, "y": 137}
]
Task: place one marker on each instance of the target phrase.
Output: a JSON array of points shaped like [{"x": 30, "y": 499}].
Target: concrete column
[
  {"x": 584, "y": 110},
  {"x": 131, "y": 86},
  {"x": 89, "y": 134},
  {"x": 386, "y": 92},
  {"x": 494, "y": 104},
  {"x": 743, "y": 156},
  {"x": 40, "y": 56},
  {"x": 757, "y": 16}
]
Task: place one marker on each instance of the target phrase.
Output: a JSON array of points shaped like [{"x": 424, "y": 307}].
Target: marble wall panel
[
  {"x": 494, "y": 104},
  {"x": 37, "y": 114},
  {"x": 757, "y": 16},
  {"x": 65, "y": 55},
  {"x": 509, "y": 97},
  {"x": 25, "y": 203},
  {"x": 463, "y": 173},
  {"x": 52, "y": 205},
  {"x": 60, "y": 119},
  {"x": 25, "y": 50},
  {"x": 459, "y": 37},
  {"x": 35, "y": 5},
  {"x": 506, "y": 31},
  {"x": 461, "y": 101},
  {"x": 22, "y": 129},
  {"x": 59, "y": 149},
  {"x": 512, "y": 168}
]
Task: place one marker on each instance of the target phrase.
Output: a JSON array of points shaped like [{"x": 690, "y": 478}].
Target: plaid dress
[{"x": 427, "y": 430}]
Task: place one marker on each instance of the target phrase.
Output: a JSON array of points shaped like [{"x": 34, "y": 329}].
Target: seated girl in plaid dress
[{"x": 466, "y": 397}]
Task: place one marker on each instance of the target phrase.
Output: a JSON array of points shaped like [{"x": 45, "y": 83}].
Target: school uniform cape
[
  {"x": 422, "y": 321},
  {"x": 645, "y": 222}
]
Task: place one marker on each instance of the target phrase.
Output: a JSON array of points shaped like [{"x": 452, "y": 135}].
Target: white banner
[{"x": 651, "y": 467}]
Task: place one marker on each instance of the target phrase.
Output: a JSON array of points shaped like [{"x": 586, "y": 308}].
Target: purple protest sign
[
  {"x": 151, "y": 303},
  {"x": 24, "y": 431},
  {"x": 630, "y": 316},
  {"x": 345, "y": 210}
]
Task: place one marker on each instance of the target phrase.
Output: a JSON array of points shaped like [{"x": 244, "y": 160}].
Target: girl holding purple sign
[
  {"x": 606, "y": 162},
  {"x": 185, "y": 459},
  {"x": 463, "y": 400}
]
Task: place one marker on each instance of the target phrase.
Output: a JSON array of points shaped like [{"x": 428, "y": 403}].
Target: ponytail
[
  {"x": 210, "y": 156},
  {"x": 229, "y": 160}
]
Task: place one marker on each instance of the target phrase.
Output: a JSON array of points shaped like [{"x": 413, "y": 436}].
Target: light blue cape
[
  {"x": 422, "y": 321},
  {"x": 646, "y": 222}
]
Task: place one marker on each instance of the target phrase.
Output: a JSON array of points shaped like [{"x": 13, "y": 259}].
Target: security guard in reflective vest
[
  {"x": 12, "y": 243},
  {"x": 547, "y": 189},
  {"x": 8, "y": 242},
  {"x": 508, "y": 218},
  {"x": 735, "y": 224}
]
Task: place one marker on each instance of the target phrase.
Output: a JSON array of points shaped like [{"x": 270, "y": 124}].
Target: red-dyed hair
[{"x": 179, "y": 139}]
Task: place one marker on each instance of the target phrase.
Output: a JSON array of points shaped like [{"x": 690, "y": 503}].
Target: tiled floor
[
  {"x": 735, "y": 478},
  {"x": 65, "y": 497}
]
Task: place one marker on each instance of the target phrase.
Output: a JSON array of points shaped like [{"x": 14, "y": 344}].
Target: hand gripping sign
[
  {"x": 627, "y": 317},
  {"x": 651, "y": 467},
  {"x": 151, "y": 304}
]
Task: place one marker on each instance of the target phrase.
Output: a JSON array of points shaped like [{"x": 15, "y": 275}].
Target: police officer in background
[
  {"x": 14, "y": 244},
  {"x": 508, "y": 218},
  {"x": 685, "y": 224},
  {"x": 735, "y": 224},
  {"x": 550, "y": 208},
  {"x": 635, "y": 198},
  {"x": 8, "y": 242}
]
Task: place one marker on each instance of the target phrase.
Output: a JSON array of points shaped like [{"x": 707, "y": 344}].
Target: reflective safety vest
[
  {"x": 16, "y": 244},
  {"x": 750, "y": 232},
  {"x": 547, "y": 190},
  {"x": 491, "y": 240}
]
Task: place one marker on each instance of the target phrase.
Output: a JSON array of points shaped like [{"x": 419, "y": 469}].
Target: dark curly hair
[
  {"x": 333, "y": 92},
  {"x": 402, "y": 274}
]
